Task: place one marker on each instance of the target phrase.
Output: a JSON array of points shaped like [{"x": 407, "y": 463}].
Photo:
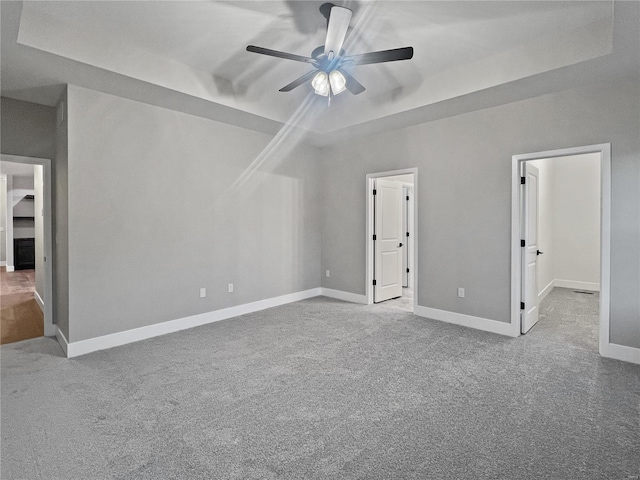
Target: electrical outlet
[
  {"x": 461, "y": 292},
  {"x": 203, "y": 292},
  {"x": 230, "y": 288},
  {"x": 328, "y": 273}
]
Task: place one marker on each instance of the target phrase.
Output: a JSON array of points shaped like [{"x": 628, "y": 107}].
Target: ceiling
[{"x": 190, "y": 55}]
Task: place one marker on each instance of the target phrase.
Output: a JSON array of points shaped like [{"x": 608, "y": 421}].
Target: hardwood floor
[{"x": 20, "y": 315}]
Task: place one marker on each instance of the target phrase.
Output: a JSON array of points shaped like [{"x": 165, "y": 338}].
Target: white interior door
[
  {"x": 530, "y": 250},
  {"x": 388, "y": 240}
]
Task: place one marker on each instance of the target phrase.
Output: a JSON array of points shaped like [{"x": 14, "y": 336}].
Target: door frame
[
  {"x": 370, "y": 178},
  {"x": 8, "y": 232},
  {"x": 604, "y": 149},
  {"x": 49, "y": 325}
]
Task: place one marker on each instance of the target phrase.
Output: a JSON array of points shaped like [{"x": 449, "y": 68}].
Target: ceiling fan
[{"x": 329, "y": 76}]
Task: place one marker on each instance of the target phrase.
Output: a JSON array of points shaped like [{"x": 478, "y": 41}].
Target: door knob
[
  {"x": 538, "y": 252},
  {"x": 399, "y": 245}
]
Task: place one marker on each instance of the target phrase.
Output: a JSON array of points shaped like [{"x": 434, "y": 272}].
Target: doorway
[
  {"x": 560, "y": 242},
  {"x": 26, "y": 241},
  {"x": 391, "y": 219}
]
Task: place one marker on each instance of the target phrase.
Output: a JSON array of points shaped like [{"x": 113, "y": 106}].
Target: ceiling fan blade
[
  {"x": 354, "y": 86},
  {"x": 337, "y": 29},
  {"x": 276, "y": 53},
  {"x": 380, "y": 57},
  {"x": 299, "y": 81}
]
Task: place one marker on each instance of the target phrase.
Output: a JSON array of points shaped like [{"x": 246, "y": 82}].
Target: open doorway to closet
[
  {"x": 561, "y": 264},
  {"x": 25, "y": 248},
  {"x": 391, "y": 238}
]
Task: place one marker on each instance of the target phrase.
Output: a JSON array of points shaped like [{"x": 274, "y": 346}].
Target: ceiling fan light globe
[
  {"x": 320, "y": 84},
  {"x": 337, "y": 81},
  {"x": 323, "y": 92}
]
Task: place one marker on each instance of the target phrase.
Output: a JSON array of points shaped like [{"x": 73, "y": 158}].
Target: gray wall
[
  {"x": 545, "y": 264},
  {"x": 27, "y": 129},
  {"x": 577, "y": 218},
  {"x": 149, "y": 226},
  {"x": 569, "y": 221},
  {"x": 464, "y": 197}
]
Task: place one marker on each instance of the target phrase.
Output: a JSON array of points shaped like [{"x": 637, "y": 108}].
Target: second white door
[
  {"x": 387, "y": 240},
  {"x": 530, "y": 250}
]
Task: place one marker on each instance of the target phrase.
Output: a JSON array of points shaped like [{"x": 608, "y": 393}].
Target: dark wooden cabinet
[{"x": 24, "y": 253}]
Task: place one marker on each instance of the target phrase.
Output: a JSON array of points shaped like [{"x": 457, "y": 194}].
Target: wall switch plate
[
  {"x": 230, "y": 288},
  {"x": 203, "y": 292},
  {"x": 328, "y": 273},
  {"x": 461, "y": 292}
]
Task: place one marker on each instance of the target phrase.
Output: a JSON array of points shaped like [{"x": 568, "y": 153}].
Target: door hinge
[
  {"x": 521, "y": 305},
  {"x": 407, "y": 198},
  {"x": 375, "y": 191},
  {"x": 375, "y": 237},
  {"x": 523, "y": 243},
  {"x": 523, "y": 180},
  {"x": 407, "y": 234},
  {"x": 407, "y": 270},
  {"x": 374, "y": 282}
]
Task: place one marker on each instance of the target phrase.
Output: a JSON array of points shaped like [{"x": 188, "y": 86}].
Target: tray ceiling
[{"x": 190, "y": 55}]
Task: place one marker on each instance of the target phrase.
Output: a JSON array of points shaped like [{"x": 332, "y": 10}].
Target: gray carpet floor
[
  {"x": 569, "y": 318},
  {"x": 322, "y": 389},
  {"x": 405, "y": 302}
]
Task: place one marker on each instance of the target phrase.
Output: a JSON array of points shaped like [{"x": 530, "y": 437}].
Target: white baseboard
[
  {"x": 62, "y": 340},
  {"x": 10, "y": 268},
  {"x": 546, "y": 290},
  {"x": 346, "y": 296},
  {"x": 39, "y": 300},
  {"x": 479, "y": 323},
  {"x": 75, "y": 349},
  {"x": 589, "y": 286},
  {"x": 621, "y": 352},
  {"x": 83, "y": 347}
]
